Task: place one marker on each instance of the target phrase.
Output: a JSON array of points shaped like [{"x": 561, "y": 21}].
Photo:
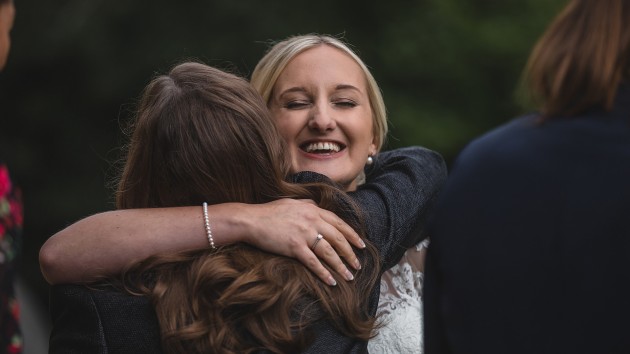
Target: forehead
[{"x": 322, "y": 65}]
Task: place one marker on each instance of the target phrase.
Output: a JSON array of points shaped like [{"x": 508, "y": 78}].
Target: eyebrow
[
  {"x": 302, "y": 89},
  {"x": 347, "y": 87},
  {"x": 293, "y": 89}
]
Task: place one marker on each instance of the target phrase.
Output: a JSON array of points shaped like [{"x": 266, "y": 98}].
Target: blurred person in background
[
  {"x": 530, "y": 245},
  {"x": 10, "y": 220},
  {"x": 7, "y": 15}
]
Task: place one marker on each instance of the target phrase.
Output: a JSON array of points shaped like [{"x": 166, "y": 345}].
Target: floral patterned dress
[{"x": 10, "y": 244}]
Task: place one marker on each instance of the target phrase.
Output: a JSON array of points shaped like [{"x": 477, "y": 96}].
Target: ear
[{"x": 372, "y": 149}]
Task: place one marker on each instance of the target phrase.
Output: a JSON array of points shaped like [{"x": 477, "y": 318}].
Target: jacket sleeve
[
  {"x": 77, "y": 327},
  {"x": 398, "y": 198},
  {"x": 102, "y": 321}
]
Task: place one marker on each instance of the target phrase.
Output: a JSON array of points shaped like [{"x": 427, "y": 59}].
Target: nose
[{"x": 322, "y": 118}]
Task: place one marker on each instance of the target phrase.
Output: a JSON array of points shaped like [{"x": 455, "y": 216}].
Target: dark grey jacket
[{"x": 401, "y": 190}]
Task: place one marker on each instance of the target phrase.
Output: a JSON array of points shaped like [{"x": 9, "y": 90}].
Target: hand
[{"x": 290, "y": 227}]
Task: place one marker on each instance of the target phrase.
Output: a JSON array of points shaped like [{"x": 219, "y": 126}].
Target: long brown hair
[
  {"x": 581, "y": 59},
  {"x": 205, "y": 135}
]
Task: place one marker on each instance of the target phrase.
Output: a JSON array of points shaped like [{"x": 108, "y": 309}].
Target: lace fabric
[{"x": 400, "y": 306}]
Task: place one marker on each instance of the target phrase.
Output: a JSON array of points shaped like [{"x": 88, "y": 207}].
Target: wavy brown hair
[
  {"x": 581, "y": 58},
  {"x": 201, "y": 134}
]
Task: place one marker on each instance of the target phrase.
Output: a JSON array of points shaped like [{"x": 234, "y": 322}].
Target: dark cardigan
[{"x": 402, "y": 187}]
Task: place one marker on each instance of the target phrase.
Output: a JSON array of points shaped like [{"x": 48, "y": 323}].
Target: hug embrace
[
  {"x": 281, "y": 164},
  {"x": 263, "y": 217}
]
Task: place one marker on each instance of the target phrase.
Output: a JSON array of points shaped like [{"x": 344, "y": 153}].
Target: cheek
[
  {"x": 364, "y": 131},
  {"x": 286, "y": 132},
  {"x": 289, "y": 127}
]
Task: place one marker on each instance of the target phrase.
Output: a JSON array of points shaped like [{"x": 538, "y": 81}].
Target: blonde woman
[{"x": 330, "y": 112}]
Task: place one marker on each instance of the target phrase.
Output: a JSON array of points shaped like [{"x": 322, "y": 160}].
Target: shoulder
[
  {"x": 414, "y": 155},
  {"x": 503, "y": 143},
  {"x": 415, "y": 164},
  {"x": 514, "y": 132},
  {"x": 102, "y": 320}
]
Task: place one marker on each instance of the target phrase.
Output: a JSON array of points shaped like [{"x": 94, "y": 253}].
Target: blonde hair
[{"x": 280, "y": 54}]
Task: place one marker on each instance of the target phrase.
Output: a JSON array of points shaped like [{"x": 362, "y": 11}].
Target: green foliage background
[{"x": 448, "y": 70}]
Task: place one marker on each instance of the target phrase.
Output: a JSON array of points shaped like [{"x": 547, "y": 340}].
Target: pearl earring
[{"x": 370, "y": 160}]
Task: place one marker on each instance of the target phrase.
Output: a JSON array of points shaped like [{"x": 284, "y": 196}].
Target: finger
[
  {"x": 346, "y": 230},
  {"x": 340, "y": 235},
  {"x": 327, "y": 253},
  {"x": 310, "y": 260},
  {"x": 340, "y": 245}
]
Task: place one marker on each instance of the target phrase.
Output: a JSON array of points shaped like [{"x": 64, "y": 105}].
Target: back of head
[
  {"x": 582, "y": 58},
  {"x": 272, "y": 64},
  {"x": 205, "y": 135},
  {"x": 201, "y": 134}
]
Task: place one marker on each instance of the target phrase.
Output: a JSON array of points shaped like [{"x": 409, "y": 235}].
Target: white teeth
[{"x": 322, "y": 147}]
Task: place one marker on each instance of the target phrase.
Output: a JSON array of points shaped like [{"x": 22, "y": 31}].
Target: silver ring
[{"x": 317, "y": 239}]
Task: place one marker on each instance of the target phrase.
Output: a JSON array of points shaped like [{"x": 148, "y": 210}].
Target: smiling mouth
[{"x": 322, "y": 147}]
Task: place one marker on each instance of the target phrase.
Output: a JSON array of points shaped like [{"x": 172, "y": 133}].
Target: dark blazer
[
  {"x": 101, "y": 322},
  {"x": 530, "y": 246},
  {"x": 401, "y": 191}
]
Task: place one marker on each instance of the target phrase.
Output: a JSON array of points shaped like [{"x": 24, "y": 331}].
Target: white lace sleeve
[{"x": 400, "y": 306}]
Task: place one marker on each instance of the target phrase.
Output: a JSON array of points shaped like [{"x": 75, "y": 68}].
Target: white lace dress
[{"x": 400, "y": 306}]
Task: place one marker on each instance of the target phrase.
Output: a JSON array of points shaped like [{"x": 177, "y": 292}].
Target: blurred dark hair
[
  {"x": 581, "y": 59},
  {"x": 205, "y": 135}
]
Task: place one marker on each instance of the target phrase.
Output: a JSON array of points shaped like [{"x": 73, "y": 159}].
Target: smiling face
[{"x": 321, "y": 107}]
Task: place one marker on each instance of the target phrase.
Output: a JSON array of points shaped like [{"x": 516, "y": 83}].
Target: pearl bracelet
[{"x": 206, "y": 222}]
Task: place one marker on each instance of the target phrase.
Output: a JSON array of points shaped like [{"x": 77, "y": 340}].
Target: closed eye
[
  {"x": 345, "y": 104},
  {"x": 297, "y": 105}
]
